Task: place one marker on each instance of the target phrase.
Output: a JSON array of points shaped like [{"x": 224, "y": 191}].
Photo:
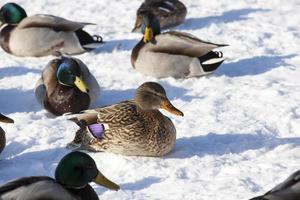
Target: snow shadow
[
  {"x": 253, "y": 66},
  {"x": 36, "y": 163},
  {"x": 226, "y": 17},
  {"x": 16, "y": 71},
  {"x": 16, "y": 100},
  {"x": 221, "y": 144},
  {"x": 116, "y": 45}
]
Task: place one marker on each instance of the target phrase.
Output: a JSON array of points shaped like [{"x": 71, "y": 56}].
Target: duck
[
  {"x": 66, "y": 85},
  {"x": 73, "y": 174},
  {"x": 169, "y": 13},
  {"x": 287, "y": 190},
  {"x": 42, "y": 35},
  {"x": 3, "y": 119},
  {"x": 131, "y": 128},
  {"x": 172, "y": 53}
]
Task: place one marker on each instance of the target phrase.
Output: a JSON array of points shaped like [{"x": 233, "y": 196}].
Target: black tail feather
[
  {"x": 211, "y": 55},
  {"x": 85, "y": 38}
]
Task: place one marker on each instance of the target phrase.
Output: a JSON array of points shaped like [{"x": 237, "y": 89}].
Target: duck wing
[
  {"x": 120, "y": 114},
  {"x": 53, "y": 22},
  {"x": 179, "y": 43}
]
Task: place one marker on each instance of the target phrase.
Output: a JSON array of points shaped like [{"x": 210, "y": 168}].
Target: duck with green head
[
  {"x": 168, "y": 12},
  {"x": 42, "y": 35},
  {"x": 172, "y": 53},
  {"x": 66, "y": 85},
  {"x": 133, "y": 128},
  {"x": 72, "y": 177},
  {"x": 3, "y": 119}
]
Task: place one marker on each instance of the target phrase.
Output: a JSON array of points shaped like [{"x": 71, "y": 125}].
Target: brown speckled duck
[
  {"x": 168, "y": 12},
  {"x": 133, "y": 128},
  {"x": 2, "y": 133},
  {"x": 66, "y": 85},
  {"x": 42, "y": 35}
]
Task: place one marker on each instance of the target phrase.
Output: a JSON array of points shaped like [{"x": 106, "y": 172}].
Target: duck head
[
  {"x": 11, "y": 13},
  {"x": 69, "y": 74},
  {"x": 151, "y": 96},
  {"x": 77, "y": 169},
  {"x": 150, "y": 25}
]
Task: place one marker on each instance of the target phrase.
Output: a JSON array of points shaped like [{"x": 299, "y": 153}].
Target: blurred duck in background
[{"x": 42, "y": 35}]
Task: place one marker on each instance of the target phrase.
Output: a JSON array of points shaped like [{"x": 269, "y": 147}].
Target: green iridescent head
[
  {"x": 77, "y": 169},
  {"x": 12, "y": 13},
  {"x": 69, "y": 74}
]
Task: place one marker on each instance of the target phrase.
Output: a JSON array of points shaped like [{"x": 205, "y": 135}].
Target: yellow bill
[
  {"x": 81, "y": 85},
  {"x": 148, "y": 35},
  {"x": 102, "y": 180},
  {"x": 170, "y": 108}
]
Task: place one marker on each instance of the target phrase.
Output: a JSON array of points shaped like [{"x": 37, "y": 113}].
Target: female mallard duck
[
  {"x": 133, "y": 128},
  {"x": 175, "y": 54},
  {"x": 66, "y": 85},
  {"x": 287, "y": 190},
  {"x": 42, "y": 35},
  {"x": 2, "y": 133},
  {"x": 168, "y": 12},
  {"x": 72, "y": 177}
]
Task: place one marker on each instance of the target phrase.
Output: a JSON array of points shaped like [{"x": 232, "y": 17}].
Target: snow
[{"x": 241, "y": 131}]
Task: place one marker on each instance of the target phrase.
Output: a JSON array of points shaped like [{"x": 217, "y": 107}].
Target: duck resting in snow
[
  {"x": 66, "y": 85},
  {"x": 132, "y": 128},
  {"x": 173, "y": 54},
  {"x": 72, "y": 176},
  {"x": 42, "y": 35}
]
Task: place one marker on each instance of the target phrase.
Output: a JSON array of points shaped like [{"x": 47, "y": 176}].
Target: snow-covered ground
[{"x": 241, "y": 131}]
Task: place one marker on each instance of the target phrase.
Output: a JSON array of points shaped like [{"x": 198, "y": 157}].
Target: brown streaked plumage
[
  {"x": 133, "y": 128},
  {"x": 3, "y": 119},
  {"x": 168, "y": 12}
]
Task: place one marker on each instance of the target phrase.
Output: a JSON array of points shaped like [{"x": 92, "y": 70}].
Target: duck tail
[
  {"x": 211, "y": 61},
  {"x": 87, "y": 41}
]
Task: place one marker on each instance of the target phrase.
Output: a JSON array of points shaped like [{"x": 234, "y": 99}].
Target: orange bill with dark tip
[{"x": 166, "y": 105}]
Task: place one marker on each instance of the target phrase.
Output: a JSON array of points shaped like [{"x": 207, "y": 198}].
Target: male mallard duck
[
  {"x": 72, "y": 177},
  {"x": 42, "y": 35},
  {"x": 287, "y": 190},
  {"x": 176, "y": 54},
  {"x": 66, "y": 85},
  {"x": 2, "y": 133},
  {"x": 168, "y": 12},
  {"x": 133, "y": 128}
]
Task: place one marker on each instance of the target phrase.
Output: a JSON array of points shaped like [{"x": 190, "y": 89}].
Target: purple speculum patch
[{"x": 97, "y": 130}]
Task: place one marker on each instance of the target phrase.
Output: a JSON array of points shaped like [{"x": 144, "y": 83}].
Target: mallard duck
[
  {"x": 2, "y": 133},
  {"x": 287, "y": 190},
  {"x": 66, "y": 85},
  {"x": 168, "y": 12},
  {"x": 72, "y": 176},
  {"x": 133, "y": 128},
  {"x": 175, "y": 54},
  {"x": 42, "y": 35}
]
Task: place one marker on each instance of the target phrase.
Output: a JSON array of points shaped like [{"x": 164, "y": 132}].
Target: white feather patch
[{"x": 213, "y": 61}]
